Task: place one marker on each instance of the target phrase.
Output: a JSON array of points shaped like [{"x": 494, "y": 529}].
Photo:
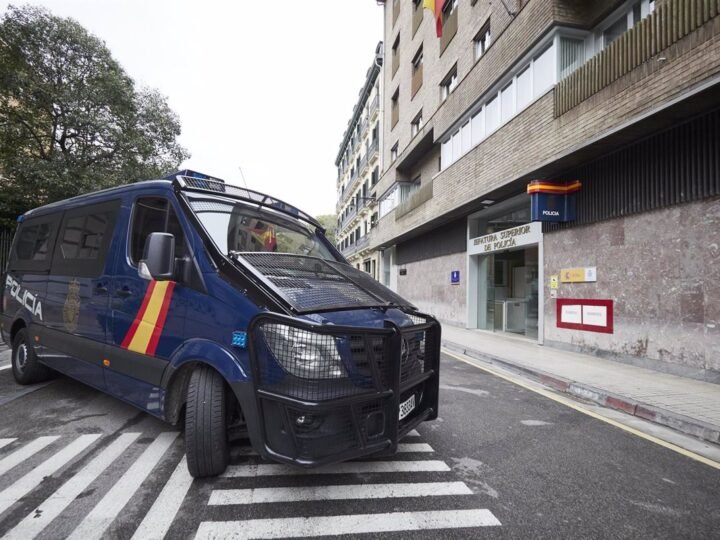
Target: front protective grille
[
  {"x": 311, "y": 284},
  {"x": 325, "y": 391}
]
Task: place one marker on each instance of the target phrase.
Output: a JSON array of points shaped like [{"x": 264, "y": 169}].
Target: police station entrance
[{"x": 504, "y": 272}]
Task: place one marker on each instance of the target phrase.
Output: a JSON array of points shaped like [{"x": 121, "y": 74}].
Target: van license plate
[{"x": 407, "y": 406}]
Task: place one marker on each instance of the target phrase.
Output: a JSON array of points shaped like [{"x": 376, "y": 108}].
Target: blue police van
[{"x": 223, "y": 311}]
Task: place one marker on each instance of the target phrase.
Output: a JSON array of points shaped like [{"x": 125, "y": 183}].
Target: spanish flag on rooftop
[{"x": 436, "y": 6}]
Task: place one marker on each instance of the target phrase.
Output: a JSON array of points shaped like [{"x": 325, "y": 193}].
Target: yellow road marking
[{"x": 569, "y": 403}]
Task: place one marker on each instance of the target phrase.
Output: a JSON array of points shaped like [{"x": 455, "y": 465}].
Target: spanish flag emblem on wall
[
  {"x": 144, "y": 333},
  {"x": 436, "y": 6}
]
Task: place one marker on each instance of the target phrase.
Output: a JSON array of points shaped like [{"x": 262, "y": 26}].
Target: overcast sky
[{"x": 269, "y": 90}]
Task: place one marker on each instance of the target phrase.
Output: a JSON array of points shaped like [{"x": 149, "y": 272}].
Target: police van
[{"x": 221, "y": 310}]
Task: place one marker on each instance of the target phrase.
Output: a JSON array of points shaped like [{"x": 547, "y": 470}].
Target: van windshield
[{"x": 238, "y": 227}]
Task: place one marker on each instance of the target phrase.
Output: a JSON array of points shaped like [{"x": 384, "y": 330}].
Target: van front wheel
[
  {"x": 25, "y": 366},
  {"x": 206, "y": 441}
]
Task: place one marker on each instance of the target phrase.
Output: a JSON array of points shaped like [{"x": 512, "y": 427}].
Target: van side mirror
[{"x": 158, "y": 260}]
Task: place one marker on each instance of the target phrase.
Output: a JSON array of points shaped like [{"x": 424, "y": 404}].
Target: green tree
[
  {"x": 71, "y": 119},
  {"x": 329, "y": 223}
]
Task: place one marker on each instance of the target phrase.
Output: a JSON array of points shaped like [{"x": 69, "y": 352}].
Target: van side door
[
  {"x": 148, "y": 316},
  {"x": 78, "y": 315}
]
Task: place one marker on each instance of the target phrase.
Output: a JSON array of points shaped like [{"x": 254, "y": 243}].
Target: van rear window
[{"x": 34, "y": 243}]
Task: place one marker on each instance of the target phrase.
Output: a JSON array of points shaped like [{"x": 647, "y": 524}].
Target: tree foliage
[
  {"x": 71, "y": 119},
  {"x": 329, "y": 223}
]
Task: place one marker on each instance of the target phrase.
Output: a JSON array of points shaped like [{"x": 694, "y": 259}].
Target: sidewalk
[{"x": 687, "y": 405}]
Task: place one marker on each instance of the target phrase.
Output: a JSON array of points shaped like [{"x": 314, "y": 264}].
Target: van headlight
[{"x": 304, "y": 354}]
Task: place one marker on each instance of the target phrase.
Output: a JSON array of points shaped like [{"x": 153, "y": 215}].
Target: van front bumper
[{"x": 312, "y": 422}]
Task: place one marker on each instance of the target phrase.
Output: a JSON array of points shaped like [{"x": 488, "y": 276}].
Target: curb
[{"x": 684, "y": 424}]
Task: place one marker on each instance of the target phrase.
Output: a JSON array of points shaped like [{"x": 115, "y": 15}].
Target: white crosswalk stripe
[
  {"x": 414, "y": 447},
  {"x": 158, "y": 520},
  {"x": 41, "y": 517},
  {"x": 30, "y": 481},
  {"x": 3, "y": 368},
  {"x": 348, "y": 524},
  {"x": 27, "y": 451},
  {"x": 105, "y": 512},
  {"x": 402, "y": 478},
  {"x": 333, "y": 493},
  {"x": 351, "y": 467},
  {"x": 5, "y": 442}
]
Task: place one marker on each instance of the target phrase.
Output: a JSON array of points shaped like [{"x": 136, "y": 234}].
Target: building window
[
  {"x": 396, "y": 55},
  {"x": 375, "y": 176},
  {"x": 417, "y": 72},
  {"x": 571, "y": 55},
  {"x": 482, "y": 41},
  {"x": 417, "y": 124},
  {"x": 448, "y": 9},
  {"x": 395, "y": 108},
  {"x": 544, "y": 71},
  {"x": 408, "y": 188},
  {"x": 394, "y": 152},
  {"x": 624, "y": 21},
  {"x": 448, "y": 84}
]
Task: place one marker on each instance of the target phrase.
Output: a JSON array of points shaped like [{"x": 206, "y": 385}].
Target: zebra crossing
[{"x": 46, "y": 483}]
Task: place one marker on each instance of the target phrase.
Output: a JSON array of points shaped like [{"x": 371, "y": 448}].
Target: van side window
[
  {"x": 83, "y": 240},
  {"x": 34, "y": 243},
  {"x": 154, "y": 214}
]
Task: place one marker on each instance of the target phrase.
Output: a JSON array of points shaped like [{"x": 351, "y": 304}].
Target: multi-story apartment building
[
  {"x": 622, "y": 96},
  {"x": 359, "y": 163}
]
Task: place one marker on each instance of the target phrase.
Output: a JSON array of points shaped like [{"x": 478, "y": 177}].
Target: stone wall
[
  {"x": 662, "y": 270},
  {"x": 427, "y": 285}
]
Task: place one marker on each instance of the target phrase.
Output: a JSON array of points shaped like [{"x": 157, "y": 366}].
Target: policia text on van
[{"x": 223, "y": 307}]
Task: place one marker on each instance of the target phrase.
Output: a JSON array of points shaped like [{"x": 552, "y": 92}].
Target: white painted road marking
[
  {"x": 105, "y": 512},
  {"x": 27, "y": 451},
  {"x": 334, "y": 493},
  {"x": 41, "y": 517},
  {"x": 30, "y": 481},
  {"x": 158, "y": 520},
  {"x": 5, "y": 442},
  {"x": 3, "y": 368},
  {"x": 349, "y": 524},
  {"x": 349, "y": 467},
  {"x": 414, "y": 447},
  {"x": 413, "y": 433}
]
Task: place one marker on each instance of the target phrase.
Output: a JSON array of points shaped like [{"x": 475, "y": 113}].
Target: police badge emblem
[{"x": 71, "y": 309}]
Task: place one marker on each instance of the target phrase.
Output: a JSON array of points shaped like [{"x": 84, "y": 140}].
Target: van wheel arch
[{"x": 16, "y": 327}]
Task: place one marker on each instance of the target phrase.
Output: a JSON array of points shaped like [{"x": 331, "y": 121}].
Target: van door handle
[
  {"x": 123, "y": 293},
  {"x": 101, "y": 289}
]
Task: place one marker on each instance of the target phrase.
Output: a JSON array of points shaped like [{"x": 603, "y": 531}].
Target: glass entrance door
[{"x": 508, "y": 292}]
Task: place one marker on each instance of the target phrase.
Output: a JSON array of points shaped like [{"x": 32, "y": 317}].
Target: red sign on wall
[{"x": 585, "y": 314}]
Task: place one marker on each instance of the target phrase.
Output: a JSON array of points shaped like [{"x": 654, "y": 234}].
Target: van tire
[
  {"x": 25, "y": 365},
  {"x": 206, "y": 441}
]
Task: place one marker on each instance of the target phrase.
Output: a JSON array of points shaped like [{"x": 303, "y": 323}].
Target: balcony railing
[
  {"x": 363, "y": 128},
  {"x": 668, "y": 24},
  {"x": 362, "y": 243},
  {"x": 363, "y": 164},
  {"x": 373, "y": 151},
  {"x": 374, "y": 107}
]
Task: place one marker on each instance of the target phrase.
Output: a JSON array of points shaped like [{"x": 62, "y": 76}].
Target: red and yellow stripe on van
[{"x": 145, "y": 330}]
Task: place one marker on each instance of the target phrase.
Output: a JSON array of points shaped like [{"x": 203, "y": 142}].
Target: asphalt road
[{"x": 501, "y": 461}]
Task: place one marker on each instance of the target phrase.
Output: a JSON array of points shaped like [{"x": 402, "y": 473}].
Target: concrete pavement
[{"x": 687, "y": 405}]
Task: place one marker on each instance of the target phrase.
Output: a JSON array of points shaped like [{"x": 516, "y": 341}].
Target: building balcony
[
  {"x": 373, "y": 152},
  {"x": 669, "y": 23},
  {"x": 363, "y": 165},
  {"x": 363, "y": 128},
  {"x": 374, "y": 107}
]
